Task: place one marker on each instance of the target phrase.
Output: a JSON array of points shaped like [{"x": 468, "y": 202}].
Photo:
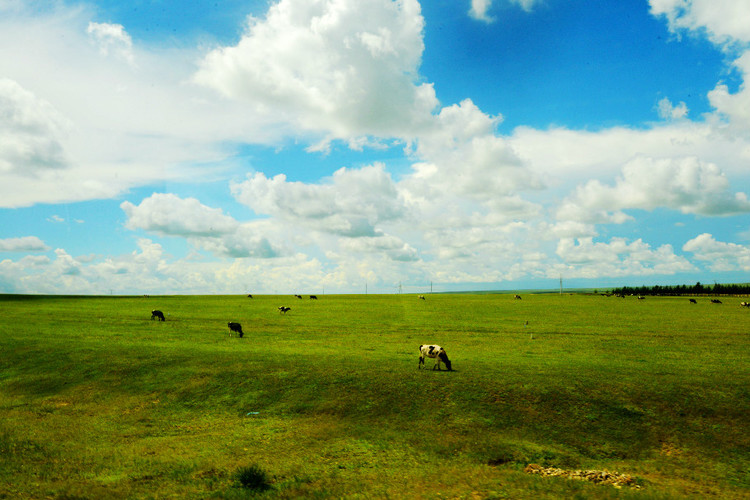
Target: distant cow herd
[
  {"x": 432, "y": 351},
  {"x": 425, "y": 351}
]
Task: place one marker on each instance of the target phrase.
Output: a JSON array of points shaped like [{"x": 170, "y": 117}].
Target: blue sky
[{"x": 310, "y": 146}]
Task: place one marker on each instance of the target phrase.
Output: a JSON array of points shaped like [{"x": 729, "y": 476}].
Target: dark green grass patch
[
  {"x": 97, "y": 400},
  {"x": 253, "y": 477}
]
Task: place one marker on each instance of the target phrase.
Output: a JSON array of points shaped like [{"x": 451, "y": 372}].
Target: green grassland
[{"x": 98, "y": 401}]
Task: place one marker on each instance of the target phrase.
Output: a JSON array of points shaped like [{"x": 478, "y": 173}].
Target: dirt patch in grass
[{"x": 595, "y": 476}]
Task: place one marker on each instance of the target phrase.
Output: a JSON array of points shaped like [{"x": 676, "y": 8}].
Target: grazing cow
[
  {"x": 249, "y": 295},
  {"x": 157, "y": 314},
  {"x": 313, "y": 297},
  {"x": 745, "y": 304},
  {"x": 693, "y": 301},
  {"x": 235, "y": 327},
  {"x": 421, "y": 297},
  {"x": 641, "y": 297},
  {"x": 517, "y": 297},
  {"x": 436, "y": 352},
  {"x": 715, "y": 301},
  {"x": 284, "y": 309},
  {"x": 298, "y": 296}
]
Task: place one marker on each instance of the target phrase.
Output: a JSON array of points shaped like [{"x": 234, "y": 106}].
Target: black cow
[
  {"x": 284, "y": 309},
  {"x": 693, "y": 301},
  {"x": 235, "y": 327},
  {"x": 157, "y": 314},
  {"x": 715, "y": 301},
  {"x": 313, "y": 297},
  {"x": 250, "y": 296}
]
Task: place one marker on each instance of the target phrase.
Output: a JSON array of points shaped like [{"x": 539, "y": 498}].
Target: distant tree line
[{"x": 697, "y": 289}]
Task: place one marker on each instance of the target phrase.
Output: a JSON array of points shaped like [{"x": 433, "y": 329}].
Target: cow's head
[{"x": 444, "y": 358}]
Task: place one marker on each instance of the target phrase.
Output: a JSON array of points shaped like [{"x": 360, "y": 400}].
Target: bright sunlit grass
[{"x": 97, "y": 400}]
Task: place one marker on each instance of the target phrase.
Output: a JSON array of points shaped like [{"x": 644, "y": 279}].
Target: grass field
[{"x": 98, "y": 401}]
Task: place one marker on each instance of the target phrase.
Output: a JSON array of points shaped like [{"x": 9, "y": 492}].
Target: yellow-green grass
[{"x": 99, "y": 401}]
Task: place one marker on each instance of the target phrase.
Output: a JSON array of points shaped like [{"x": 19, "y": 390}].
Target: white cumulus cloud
[
  {"x": 169, "y": 214},
  {"x": 684, "y": 184},
  {"x": 724, "y": 21},
  {"x": 669, "y": 111},
  {"x": 204, "y": 227},
  {"x": 718, "y": 255},
  {"x": 388, "y": 245},
  {"x": 23, "y": 244},
  {"x": 32, "y": 131},
  {"x": 344, "y": 69},
  {"x": 462, "y": 161},
  {"x": 735, "y": 106},
  {"x": 352, "y": 203},
  {"x": 112, "y": 38},
  {"x": 588, "y": 259},
  {"x": 479, "y": 8}
]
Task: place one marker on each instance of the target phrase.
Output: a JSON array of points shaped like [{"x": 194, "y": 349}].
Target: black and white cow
[
  {"x": 436, "y": 352},
  {"x": 745, "y": 304},
  {"x": 517, "y": 297},
  {"x": 421, "y": 297},
  {"x": 284, "y": 309},
  {"x": 157, "y": 314},
  {"x": 235, "y": 327}
]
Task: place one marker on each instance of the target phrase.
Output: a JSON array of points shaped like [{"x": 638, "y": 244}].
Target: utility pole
[{"x": 560, "y": 284}]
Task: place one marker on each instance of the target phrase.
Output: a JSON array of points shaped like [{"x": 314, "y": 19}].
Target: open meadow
[{"x": 326, "y": 401}]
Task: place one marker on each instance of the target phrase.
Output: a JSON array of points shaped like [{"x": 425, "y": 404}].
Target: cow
[
  {"x": 235, "y": 327},
  {"x": 517, "y": 297},
  {"x": 436, "y": 352},
  {"x": 284, "y": 309},
  {"x": 421, "y": 297},
  {"x": 641, "y": 297},
  {"x": 693, "y": 301},
  {"x": 715, "y": 301},
  {"x": 249, "y": 295},
  {"x": 157, "y": 314},
  {"x": 298, "y": 296},
  {"x": 313, "y": 297},
  {"x": 745, "y": 304}
]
